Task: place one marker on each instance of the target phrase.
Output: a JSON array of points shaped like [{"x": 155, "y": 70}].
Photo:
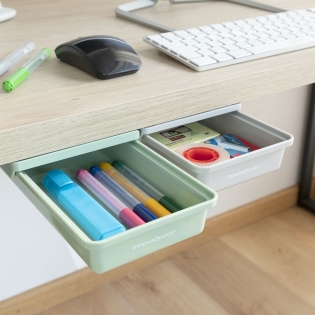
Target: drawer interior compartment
[
  {"x": 101, "y": 256},
  {"x": 270, "y": 141}
]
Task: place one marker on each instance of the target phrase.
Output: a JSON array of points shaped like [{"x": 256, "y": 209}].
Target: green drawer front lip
[
  {"x": 22, "y": 165},
  {"x": 119, "y": 249}
]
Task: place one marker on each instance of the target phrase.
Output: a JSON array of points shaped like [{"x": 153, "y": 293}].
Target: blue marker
[
  {"x": 94, "y": 220},
  {"x": 138, "y": 208}
]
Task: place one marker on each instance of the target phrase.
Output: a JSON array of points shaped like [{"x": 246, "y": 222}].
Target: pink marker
[{"x": 126, "y": 215}]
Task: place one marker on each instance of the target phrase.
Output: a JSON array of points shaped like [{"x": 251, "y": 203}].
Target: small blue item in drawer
[
  {"x": 94, "y": 220},
  {"x": 230, "y": 143}
]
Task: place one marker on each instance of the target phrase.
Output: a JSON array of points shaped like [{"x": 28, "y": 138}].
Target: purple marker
[
  {"x": 138, "y": 208},
  {"x": 126, "y": 215}
]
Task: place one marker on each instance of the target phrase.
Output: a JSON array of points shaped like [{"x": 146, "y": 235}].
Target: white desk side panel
[{"x": 25, "y": 260}]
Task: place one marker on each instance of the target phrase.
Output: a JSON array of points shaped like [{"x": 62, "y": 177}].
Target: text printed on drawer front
[
  {"x": 155, "y": 239},
  {"x": 245, "y": 171}
]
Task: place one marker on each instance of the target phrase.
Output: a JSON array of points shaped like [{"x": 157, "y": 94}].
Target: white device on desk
[
  {"x": 6, "y": 13},
  {"x": 218, "y": 45}
]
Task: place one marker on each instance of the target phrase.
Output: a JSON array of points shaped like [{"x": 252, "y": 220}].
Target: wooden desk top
[{"x": 60, "y": 106}]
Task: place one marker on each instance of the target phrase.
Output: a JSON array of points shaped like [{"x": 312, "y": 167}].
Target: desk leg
[{"x": 304, "y": 198}]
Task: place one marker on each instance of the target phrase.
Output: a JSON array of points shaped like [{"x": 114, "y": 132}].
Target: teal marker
[
  {"x": 28, "y": 68},
  {"x": 165, "y": 201}
]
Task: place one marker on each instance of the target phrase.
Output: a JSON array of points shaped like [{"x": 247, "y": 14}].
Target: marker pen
[
  {"x": 15, "y": 57},
  {"x": 90, "y": 216},
  {"x": 134, "y": 204},
  {"x": 28, "y": 68},
  {"x": 167, "y": 202},
  {"x": 126, "y": 215},
  {"x": 149, "y": 202}
]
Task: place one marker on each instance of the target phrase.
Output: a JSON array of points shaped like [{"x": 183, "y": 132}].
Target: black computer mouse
[{"x": 103, "y": 56}]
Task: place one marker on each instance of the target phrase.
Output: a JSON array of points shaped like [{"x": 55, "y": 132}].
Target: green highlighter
[
  {"x": 165, "y": 201},
  {"x": 28, "y": 68}
]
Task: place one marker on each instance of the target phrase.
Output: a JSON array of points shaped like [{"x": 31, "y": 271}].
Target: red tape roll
[{"x": 203, "y": 154}]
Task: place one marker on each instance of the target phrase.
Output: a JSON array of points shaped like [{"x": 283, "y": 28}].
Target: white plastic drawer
[{"x": 269, "y": 139}]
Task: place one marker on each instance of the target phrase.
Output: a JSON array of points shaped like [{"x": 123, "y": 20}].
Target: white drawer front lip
[{"x": 189, "y": 119}]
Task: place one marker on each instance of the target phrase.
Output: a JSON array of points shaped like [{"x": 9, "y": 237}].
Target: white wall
[{"x": 33, "y": 253}]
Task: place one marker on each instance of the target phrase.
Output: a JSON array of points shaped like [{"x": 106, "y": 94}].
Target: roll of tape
[{"x": 203, "y": 154}]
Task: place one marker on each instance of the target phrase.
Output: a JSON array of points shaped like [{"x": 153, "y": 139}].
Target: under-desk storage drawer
[
  {"x": 103, "y": 255},
  {"x": 270, "y": 141}
]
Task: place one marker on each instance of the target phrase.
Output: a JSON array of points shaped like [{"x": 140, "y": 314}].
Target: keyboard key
[
  {"x": 277, "y": 38},
  {"x": 203, "y": 61},
  {"x": 262, "y": 19},
  {"x": 179, "y": 50},
  {"x": 272, "y": 32},
  {"x": 250, "y": 36},
  {"x": 189, "y": 41},
  {"x": 254, "y": 42},
  {"x": 238, "y": 39},
  {"x": 241, "y": 23},
  {"x": 214, "y": 43},
  {"x": 288, "y": 36},
  {"x": 262, "y": 35},
  {"x": 183, "y": 34},
  {"x": 226, "y": 41},
  {"x": 171, "y": 36},
  {"x": 209, "y": 30},
  {"x": 219, "y": 27},
  {"x": 152, "y": 37},
  {"x": 205, "y": 52},
  {"x": 202, "y": 46},
  {"x": 279, "y": 45},
  {"x": 221, "y": 57},
  {"x": 214, "y": 37},
  {"x": 190, "y": 55},
  {"x": 161, "y": 41},
  {"x": 229, "y": 25},
  {"x": 237, "y": 33},
  {"x": 300, "y": 34},
  {"x": 195, "y": 31},
  {"x": 240, "y": 53},
  {"x": 267, "y": 40},
  {"x": 230, "y": 47},
  {"x": 243, "y": 45},
  {"x": 173, "y": 45},
  {"x": 201, "y": 39},
  {"x": 226, "y": 35},
  {"x": 218, "y": 49}
]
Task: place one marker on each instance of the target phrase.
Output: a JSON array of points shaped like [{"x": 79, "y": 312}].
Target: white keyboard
[{"x": 218, "y": 45}]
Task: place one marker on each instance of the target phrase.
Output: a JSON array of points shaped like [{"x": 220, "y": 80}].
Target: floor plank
[
  {"x": 103, "y": 301},
  {"x": 164, "y": 289},
  {"x": 283, "y": 246},
  {"x": 237, "y": 284},
  {"x": 264, "y": 268}
]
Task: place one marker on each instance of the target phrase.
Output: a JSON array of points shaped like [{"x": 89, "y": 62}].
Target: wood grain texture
[
  {"x": 251, "y": 271},
  {"x": 84, "y": 281},
  {"x": 237, "y": 284},
  {"x": 283, "y": 246},
  {"x": 60, "y": 106}
]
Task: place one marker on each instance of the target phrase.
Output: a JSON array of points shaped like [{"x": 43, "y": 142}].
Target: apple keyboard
[{"x": 218, "y": 45}]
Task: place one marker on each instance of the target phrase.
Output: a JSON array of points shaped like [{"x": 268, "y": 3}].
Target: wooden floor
[{"x": 264, "y": 268}]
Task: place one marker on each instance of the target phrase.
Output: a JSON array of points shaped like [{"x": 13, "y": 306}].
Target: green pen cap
[
  {"x": 169, "y": 204},
  {"x": 15, "y": 79},
  {"x": 29, "y": 67}
]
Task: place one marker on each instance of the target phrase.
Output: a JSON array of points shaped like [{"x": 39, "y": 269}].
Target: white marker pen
[{"x": 15, "y": 57}]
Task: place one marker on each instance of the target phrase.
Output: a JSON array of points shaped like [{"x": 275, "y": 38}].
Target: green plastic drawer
[{"x": 101, "y": 256}]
